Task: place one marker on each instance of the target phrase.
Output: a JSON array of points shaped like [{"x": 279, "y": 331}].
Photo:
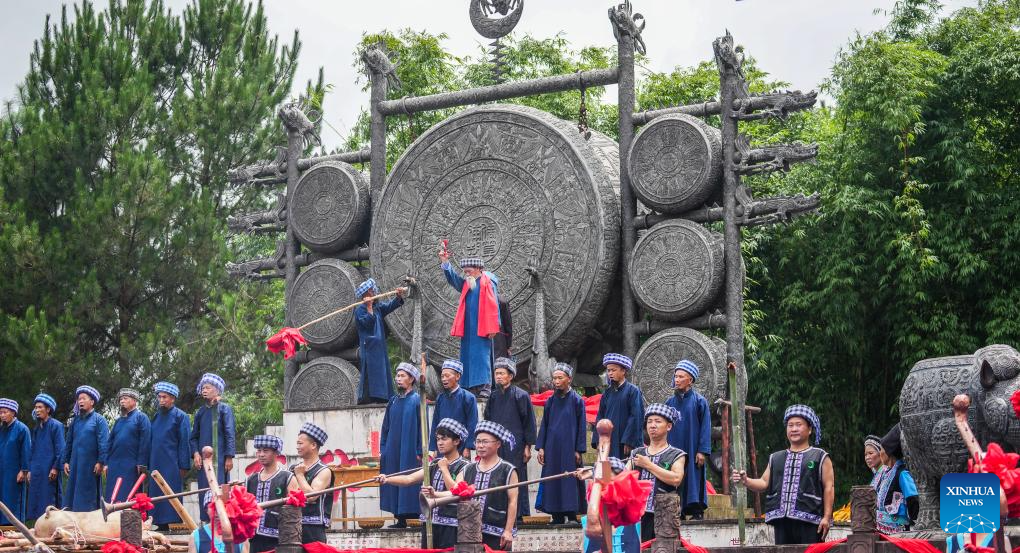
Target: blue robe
[
  {"x": 512, "y": 408},
  {"x": 692, "y": 433},
  {"x": 170, "y": 454},
  {"x": 459, "y": 405},
  {"x": 400, "y": 449},
  {"x": 561, "y": 434},
  {"x": 15, "y": 452},
  {"x": 201, "y": 436},
  {"x": 47, "y": 447},
  {"x": 376, "y": 382},
  {"x": 623, "y": 405},
  {"x": 86, "y": 445},
  {"x": 475, "y": 351},
  {"x": 129, "y": 448}
]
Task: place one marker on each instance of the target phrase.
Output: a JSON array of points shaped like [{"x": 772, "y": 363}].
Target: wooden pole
[
  {"x": 218, "y": 495},
  {"x": 426, "y": 479},
  {"x": 174, "y": 502},
  {"x": 23, "y": 529}
]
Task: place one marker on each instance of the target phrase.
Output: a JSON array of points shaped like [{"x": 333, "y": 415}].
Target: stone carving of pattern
[
  {"x": 324, "y": 383},
  {"x": 675, "y": 163},
  {"x": 329, "y": 206},
  {"x": 323, "y": 287}
]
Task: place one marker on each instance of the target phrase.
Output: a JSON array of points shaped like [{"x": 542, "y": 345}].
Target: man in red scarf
[{"x": 477, "y": 320}]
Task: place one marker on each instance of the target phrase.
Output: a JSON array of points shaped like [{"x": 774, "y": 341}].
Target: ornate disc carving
[
  {"x": 654, "y": 363},
  {"x": 325, "y": 286},
  {"x": 516, "y": 187},
  {"x": 676, "y": 163},
  {"x": 497, "y": 27},
  {"x": 677, "y": 269},
  {"x": 324, "y": 383},
  {"x": 329, "y": 206}
]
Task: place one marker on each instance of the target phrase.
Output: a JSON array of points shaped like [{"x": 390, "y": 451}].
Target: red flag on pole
[{"x": 286, "y": 340}]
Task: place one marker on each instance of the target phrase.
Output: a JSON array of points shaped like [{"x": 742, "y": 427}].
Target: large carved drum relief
[{"x": 518, "y": 188}]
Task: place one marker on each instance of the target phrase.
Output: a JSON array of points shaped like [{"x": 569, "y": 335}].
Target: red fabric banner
[
  {"x": 488, "y": 309},
  {"x": 591, "y": 404}
]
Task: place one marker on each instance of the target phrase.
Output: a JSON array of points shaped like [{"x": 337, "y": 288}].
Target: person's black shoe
[
  {"x": 398, "y": 524},
  {"x": 698, "y": 516}
]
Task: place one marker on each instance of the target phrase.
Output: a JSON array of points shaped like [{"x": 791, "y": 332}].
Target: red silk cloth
[
  {"x": 488, "y": 309},
  {"x": 243, "y": 511},
  {"x": 463, "y": 489},
  {"x": 625, "y": 497},
  {"x": 591, "y": 404},
  {"x": 1003, "y": 465},
  {"x": 297, "y": 498},
  {"x": 143, "y": 504},
  {"x": 286, "y": 340}
]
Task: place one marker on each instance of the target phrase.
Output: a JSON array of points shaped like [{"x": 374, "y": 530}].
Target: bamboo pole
[
  {"x": 426, "y": 479},
  {"x": 174, "y": 501}
]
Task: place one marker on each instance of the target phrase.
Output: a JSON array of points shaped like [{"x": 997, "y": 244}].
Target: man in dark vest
[
  {"x": 313, "y": 476},
  {"x": 510, "y": 406},
  {"x": 272, "y": 482},
  {"x": 658, "y": 462},
  {"x": 798, "y": 482}
]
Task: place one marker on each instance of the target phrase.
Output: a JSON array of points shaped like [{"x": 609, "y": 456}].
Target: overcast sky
[{"x": 795, "y": 40}]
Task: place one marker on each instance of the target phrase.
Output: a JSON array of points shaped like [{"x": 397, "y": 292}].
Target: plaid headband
[
  {"x": 129, "y": 392},
  {"x": 210, "y": 378},
  {"x": 263, "y": 441},
  {"x": 454, "y": 427},
  {"x": 499, "y": 431},
  {"x": 505, "y": 363},
  {"x": 665, "y": 411},
  {"x": 6, "y": 403},
  {"x": 472, "y": 262},
  {"x": 314, "y": 432},
  {"x": 874, "y": 442},
  {"x": 564, "y": 368},
  {"x": 617, "y": 359},
  {"x": 687, "y": 366},
  {"x": 167, "y": 388},
  {"x": 46, "y": 400},
  {"x": 411, "y": 371},
  {"x": 454, "y": 365},
  {"x": 367, "y": 286},
  {"x": 808, "y": 414},
  {"x": 94, "y": 393}
]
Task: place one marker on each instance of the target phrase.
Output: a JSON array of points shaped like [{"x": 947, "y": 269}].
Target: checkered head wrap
[
  {"x": 687, "y": 366},
  {"x": 499, "y": 431},
  {"x": 662, "y": 410},
  {"x": 6, "y": 403},
  {"x": 411, "y": 370},
  {"x": 808, "y": 414},
  {"x": 505, "y": 363},
  {"x": 617, "y": 359},
  {"x": 46, "y": 400},
  {"x": 263, "y": 441},
  {"x": 454, "y": 365},
  {"x": 873, "y": 442},
  {"x": 167, "y": 388},
  {"x": 454, "y": 427},
  {"x": 617, "y": 465},
  {"x": 564, "y": 368},
  {"x": 367, "y": 286},
  {"x": 314, "y": 432},
  {"x": 472, "y": 262},
  {"x": 210, "y": 378},
  {"x": 129, "y": 392}
]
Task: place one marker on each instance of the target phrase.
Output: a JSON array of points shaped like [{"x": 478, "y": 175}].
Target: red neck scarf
[{"x": 488, "y": 309}]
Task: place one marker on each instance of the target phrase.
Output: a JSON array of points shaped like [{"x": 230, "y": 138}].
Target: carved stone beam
[
  {"x": 716, "y": 319},
  {"x": 261, "y": 221},
  {"x": 777, "y": 105},
  {"x": 541, "y": 372},
  {"x": 780, "y": 209},
  {"x": 765, "y": 159},
  {"x": 272, "y": 172}
]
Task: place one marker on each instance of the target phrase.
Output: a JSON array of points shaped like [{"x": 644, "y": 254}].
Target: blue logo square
[{"x": 969, "y": 503}]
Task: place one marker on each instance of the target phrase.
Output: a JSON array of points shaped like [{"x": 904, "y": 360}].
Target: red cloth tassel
[
  {"x": 1003, "y": 465},
  {"x": 243, "y": 511},
  {"x": 143, "y": 504},
  {"x": 463, "y": 489},
  {"x": 624, "y": 498},
  {"x": 120, "y": 547},
  {"x": 286, "y": 340},
  {"x": 488, "y": 309},
  {"x": 823, "y": 546},
  {"x": 1015, "y": 400},
  {"x": 911, "y": 545},
  {"x": 297, "y": 498}
]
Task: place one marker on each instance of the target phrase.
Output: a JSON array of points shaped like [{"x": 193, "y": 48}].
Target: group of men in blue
[{"x": 65, "y": 467}]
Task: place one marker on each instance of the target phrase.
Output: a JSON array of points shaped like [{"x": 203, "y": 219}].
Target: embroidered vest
[
  {"x": 664, "y": 459},
  {"x": 795, "y": 485},
  {"x": 318, "y": 510},
  {"x": 266, "y": 490},
  {"x": 494, "y": 505},
  {"x": 447, "y": 514}
]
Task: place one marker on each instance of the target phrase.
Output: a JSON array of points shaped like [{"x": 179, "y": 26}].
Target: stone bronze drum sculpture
[
  {"x": 675, "y": 163},
  {"x": 518, "y": 188},
  {"x": 322, "y": 287},
  {"x": 330, "y": 207},
  {"x": 325, "y": 383},
  {"x": 654, "y": 364}
]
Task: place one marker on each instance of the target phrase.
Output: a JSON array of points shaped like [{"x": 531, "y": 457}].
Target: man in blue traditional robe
[
  {"x": 170, "y": 452},
  {"x": 561, "y": 442},
  {"x": 511, "y": 407},
  {"x": 85, "y": 452},
  {"x": 15, "y": 451},
  {"x": 400, "y": 445},
  {"x": 44, "y": 466},
  {"x": 622, "y": 404},
  {"x": 455, "y": 403},
  {"x": 691, "y": 433},
  {"x": 375, "y": 385},
  {"x": 214, "y": 427},
  {"x": 476, "y": 321},
  {"x": 130, "y": 438}
]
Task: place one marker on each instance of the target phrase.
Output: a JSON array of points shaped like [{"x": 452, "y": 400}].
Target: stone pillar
[
  {"x": 469, "y": 528},
  {"x": 290, "y": 530},
  {"x": 131, "y": 527},
  {"x": 667, "y": 523},
  {"x": 863, "y": 512}
]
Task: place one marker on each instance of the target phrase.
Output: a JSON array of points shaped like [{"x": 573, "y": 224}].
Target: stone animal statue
[
  {"x": 931, "y": 442},
  {"x": 69, "y": 524}
]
